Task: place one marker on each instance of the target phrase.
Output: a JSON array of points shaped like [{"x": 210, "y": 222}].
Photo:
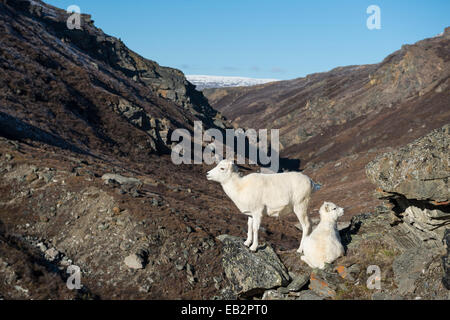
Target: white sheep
[
  {"x": 272, "y": 194},
  {"x": 323, "y": 245}
]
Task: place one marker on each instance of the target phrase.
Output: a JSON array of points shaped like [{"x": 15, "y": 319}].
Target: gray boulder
[
  {"x": 120, "y": 179},
  {"x": 408, "y": 267},
  {"x": 298, "y": 283},
  {"x": 251, "y": 273}
]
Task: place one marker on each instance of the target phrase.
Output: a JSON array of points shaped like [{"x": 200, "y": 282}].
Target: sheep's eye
[{"x": 222, "y": 168}]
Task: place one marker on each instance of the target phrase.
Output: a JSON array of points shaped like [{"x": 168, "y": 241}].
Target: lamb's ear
[{"x": 327, "y": 206}]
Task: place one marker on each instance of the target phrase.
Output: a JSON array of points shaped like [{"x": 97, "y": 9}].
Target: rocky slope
[
  {"x": 77, "y": 106},
  {"x": 78, "y": 88},
  {"x": 156, "y": 232},
  {"x": 406, "y": 239},
  {"x": 336, "y": 122}
]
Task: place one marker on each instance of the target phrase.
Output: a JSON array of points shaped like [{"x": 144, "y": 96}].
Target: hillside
[
  {"x": 79, "y": 88},
  {"x": 76, "y": 105}
]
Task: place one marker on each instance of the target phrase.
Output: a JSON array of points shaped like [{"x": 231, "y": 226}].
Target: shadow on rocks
[{"x": 352, "y": 229}]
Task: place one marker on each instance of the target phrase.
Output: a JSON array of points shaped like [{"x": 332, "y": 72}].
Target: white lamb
[
  {"x": 272, "y": 194},
  {"x": 323, "y": 245}
]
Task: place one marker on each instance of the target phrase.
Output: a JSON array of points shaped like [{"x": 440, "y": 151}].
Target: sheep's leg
[
  {"x": 249, "y": 240},
  {"x": 302, "y": 215},
  {"x": 256, "y": 223}
]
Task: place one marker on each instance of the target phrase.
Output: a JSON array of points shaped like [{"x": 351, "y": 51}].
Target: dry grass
[{"x": 368, "y": 252}]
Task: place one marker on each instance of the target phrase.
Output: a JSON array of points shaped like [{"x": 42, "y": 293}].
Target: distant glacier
[{"x": 203, "y": 82}]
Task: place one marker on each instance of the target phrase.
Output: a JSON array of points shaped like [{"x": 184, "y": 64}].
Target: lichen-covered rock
[
  {"x": 325, "y": 283},
  {"x": 298, "y": 283},
  {"x": 427, "y": 224},
  {"x": 420, "y": 170},
  {"x": 252, "y": 273},
  {"x": 415, "y": 179},
  {"x": 408, "y": 266}
]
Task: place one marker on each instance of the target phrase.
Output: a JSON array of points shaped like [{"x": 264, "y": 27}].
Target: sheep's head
[
  {"x": 222, "y": 172},
  {"x": 330, "y": 211}
]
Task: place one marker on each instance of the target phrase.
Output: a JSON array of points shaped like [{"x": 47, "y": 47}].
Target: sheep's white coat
[
  {"x": 323, "y": 245},
  {"x": 272, "y": 194}
]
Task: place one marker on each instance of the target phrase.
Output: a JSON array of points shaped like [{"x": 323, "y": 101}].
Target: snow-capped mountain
[{"x": 203, "y": 82}]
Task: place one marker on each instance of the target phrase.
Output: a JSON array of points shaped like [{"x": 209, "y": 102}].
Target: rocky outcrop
[
  {"x": 420, "y": 170},
  {"x": 409, "y": 269},
  {"x": 414, "y": 183},
  {"x": 252, "y": 273},
  {"x": 415, "y": 179}
]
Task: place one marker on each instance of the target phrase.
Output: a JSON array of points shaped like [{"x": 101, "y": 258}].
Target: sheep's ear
[
  {"x": 230, "y": 162},
  {"x": 327, "y": 206}
]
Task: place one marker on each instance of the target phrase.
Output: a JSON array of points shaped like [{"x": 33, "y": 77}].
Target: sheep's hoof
[
  {"x": 247, "y": 243},
  {"x": 253, "y": 248},
  {"x": 300, "y": 250}
]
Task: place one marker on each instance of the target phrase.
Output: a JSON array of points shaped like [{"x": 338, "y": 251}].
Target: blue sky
[{"x": 281, "y": 39}]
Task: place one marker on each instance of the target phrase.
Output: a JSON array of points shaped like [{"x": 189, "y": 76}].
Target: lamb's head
[
  {"x": 222, "y": 172},
  {"x": 331, "y": 212}
]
